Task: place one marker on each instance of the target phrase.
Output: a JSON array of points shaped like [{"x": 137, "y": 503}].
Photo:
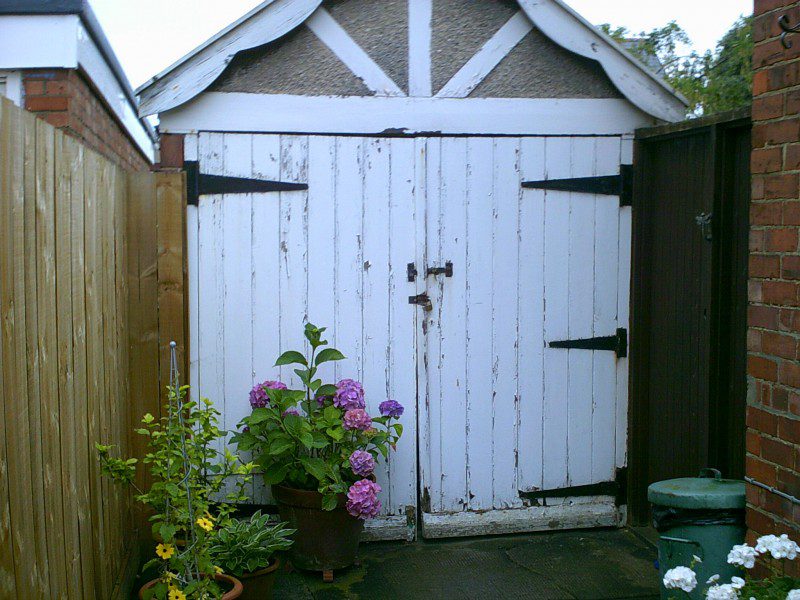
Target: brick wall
[
  {"x": 773, "y": 414},
  {"x": 65, "y": 99}
]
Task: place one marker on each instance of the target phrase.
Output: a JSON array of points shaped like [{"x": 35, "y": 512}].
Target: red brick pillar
[{"x": 773, "y": 414}]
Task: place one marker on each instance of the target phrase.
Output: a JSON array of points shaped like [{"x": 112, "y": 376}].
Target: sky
[{"x": 149, "y": 35}]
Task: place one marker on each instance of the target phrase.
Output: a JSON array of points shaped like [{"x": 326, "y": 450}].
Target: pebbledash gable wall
[
  {"x": 65, "y": 99},
  {"x": 773, "y": 415}
]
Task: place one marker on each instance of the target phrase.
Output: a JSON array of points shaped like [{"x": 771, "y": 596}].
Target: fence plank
[
  {"x": 48, "y": 351},
  {"x": 8, "y": 573}
]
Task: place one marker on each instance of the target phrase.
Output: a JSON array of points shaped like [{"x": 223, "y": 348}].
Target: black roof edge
[{"x": 89, "y": 20}]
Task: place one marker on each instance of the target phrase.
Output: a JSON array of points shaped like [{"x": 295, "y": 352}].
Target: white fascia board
[
  {"x": 281, "y": 113},
  {"x": 39, "y": 41},
  {"x": 94, "y": 65}
]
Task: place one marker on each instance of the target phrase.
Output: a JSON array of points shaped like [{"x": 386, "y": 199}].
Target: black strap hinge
[
  {"x": 607, "y": 185},
  {"x": 198, "y": 184},
  {"x": 617, "y": 342}
]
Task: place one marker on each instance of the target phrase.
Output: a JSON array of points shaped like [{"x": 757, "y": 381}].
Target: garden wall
[
  {"x": 773, "y": 414},
  {"x": 91, "y": 292}
]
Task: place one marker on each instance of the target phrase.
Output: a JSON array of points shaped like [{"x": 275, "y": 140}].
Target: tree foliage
[{"x": 712, "y": 81}]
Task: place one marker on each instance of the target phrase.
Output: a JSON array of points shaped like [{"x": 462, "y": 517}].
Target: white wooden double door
[{"x": 490, "y": 409}]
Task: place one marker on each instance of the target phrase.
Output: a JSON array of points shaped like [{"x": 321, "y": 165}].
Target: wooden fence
[{"x": 90, "y": 287}]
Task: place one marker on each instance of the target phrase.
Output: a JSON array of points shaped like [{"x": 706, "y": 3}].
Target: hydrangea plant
[
  {"x": 320, "y": 437},
  {"x": 683, "y": 580}
]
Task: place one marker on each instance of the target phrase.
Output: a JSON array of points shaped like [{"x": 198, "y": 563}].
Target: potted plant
[
  {"x": 245, "y": 548},
  {"x": 187, "y": 473},
  {"x": 317, "y": 447}
]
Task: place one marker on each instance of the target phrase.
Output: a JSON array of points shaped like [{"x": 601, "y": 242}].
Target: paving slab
[{"x": 606, "y": 564}]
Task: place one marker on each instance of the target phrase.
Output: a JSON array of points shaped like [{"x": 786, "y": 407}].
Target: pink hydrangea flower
[
  {"x": 362, "y": 463},
  {"x": 362, "y": 499},
  {"x": 357, "y": 418},
  {"x": 349, "y": 394},
  {"x": 258, "y": 395}
]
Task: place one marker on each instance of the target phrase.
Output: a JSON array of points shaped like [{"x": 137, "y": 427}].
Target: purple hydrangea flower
[
  {"x": 258, "y": 395},
  {"x": 291, "y": 411},
  {"x": 357, "y": 418},
  {"x": 349, "y": 394},
  {"x": 362, "y": 463},
  {"x": 362, "y": 499},
  {"x": 391, "y": 408}
]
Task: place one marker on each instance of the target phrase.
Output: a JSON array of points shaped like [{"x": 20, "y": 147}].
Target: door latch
[
  {"x": 411, "y": 271},
  {"x": 446, "y": 270},
  {"x": 704, "y": 221},
  {"x": 421, "y": 300}
]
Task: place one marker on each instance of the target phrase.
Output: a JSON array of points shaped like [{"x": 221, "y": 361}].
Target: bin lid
[{"x": 708, "y": 490}]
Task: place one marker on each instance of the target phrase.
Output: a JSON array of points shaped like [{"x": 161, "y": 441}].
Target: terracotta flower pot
[
  {"x": 258, "y": 584},
  {"x": 325, "y": 539},
  {"x": 233, "y": 585}
]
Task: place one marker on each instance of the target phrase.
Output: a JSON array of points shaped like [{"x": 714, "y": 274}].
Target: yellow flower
[
  {"x": 165, "y": 551},
  {"x": 205, "y": 523},
  {"x": 176, "y": 594},
  {"x": 218, "y": 570}
]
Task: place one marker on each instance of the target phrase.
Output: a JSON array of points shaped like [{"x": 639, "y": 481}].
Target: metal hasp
[
  {"x": 783, "y": 23},
  {"x": 198, "y": 183},
  {"x": 617, "y": 488},
  {"x": 422, "y": 300},
  {"x": 411, "y": 272},
  {"x": 607, "y": 185},
  {"x": 618, "y": 343},
  {"x": 446, "y": 270}
]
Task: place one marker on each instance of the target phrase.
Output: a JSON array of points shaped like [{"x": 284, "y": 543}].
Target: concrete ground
[{"x": 592, "y": 565}]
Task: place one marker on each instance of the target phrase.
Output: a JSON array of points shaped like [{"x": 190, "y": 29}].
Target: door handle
[{"x": 421, "y": 300}]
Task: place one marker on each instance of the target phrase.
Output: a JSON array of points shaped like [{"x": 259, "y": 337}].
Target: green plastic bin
[{"x": 698, "y": 516}]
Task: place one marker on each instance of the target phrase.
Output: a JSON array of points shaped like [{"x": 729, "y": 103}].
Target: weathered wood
[
  {"x": 66, "y": 532},
  {"x": 419, "y": 48}
]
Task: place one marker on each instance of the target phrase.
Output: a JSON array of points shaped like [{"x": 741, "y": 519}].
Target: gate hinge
[{"x": 617, "y": 342}]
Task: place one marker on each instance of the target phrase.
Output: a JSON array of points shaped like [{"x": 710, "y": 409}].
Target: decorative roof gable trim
[{"x": 274, "y": 18}]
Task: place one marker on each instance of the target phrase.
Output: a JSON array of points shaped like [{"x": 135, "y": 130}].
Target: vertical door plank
[
  {"x": 433, "y": 423},
  {"x": 606, "y": 261},
  {"x": 293, "y": 279},
  {"x": 48, "y": 382},
  {"x": 375, "y": 273},
  {"x": 451, "y": 311},
  {"x": 556, "y": 255},
  {"x": 265, "y": 257},
  {"x": 504, "y": 320},
  {"x": 580, "y": 308},
  {"x": 349, "y": 255},
  {"x": 531, "y": 316},
  {"x": 211, "y": 285},
  {"x": 237, "y": 272},
  {"x": 402, "y": 321},
  {"x": 479, "y": 276},
  {"x": 623, "y": 312}
]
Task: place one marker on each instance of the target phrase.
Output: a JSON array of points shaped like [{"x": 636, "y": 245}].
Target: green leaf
[
  {"x": 398, "y": 428},
  {"x": 337, "y": 433},
  {"x": 275, "y": 474},
  {"x": 328, "y": 501},
  {"x": 307, "y": 439},
  {"x": 281, "y": 445},
  {"x": 314, "y": 466},
  {"x": 291, "y": 357},
  {"x": 294, "y": 425},
  {"x": 328, "y": 354},
  {"x": 326, "y": 390},
  {"x": 331, "y": 413},
  {"x": 259, "y": 416},
  {"x": 303, "y": 374}
]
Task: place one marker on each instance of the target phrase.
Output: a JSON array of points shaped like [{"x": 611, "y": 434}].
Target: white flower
[
  {"x": 778, "y": 547},
  {"x": 737, "y": 582},
  {"x": 722, "y": 592},
  {"x": 680, "y": 578},
  {"x": 742, "y": 555},
  {"x": 696, "y": 558},
  {"x": 793, "y": 595},
  {"x": 713, "y": 579}
]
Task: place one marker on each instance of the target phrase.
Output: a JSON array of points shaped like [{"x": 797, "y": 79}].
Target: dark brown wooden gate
[{"x": 688, "y": 333}]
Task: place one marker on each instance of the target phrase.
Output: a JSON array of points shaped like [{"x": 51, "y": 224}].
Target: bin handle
[{"x": 709, "y": 472}]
